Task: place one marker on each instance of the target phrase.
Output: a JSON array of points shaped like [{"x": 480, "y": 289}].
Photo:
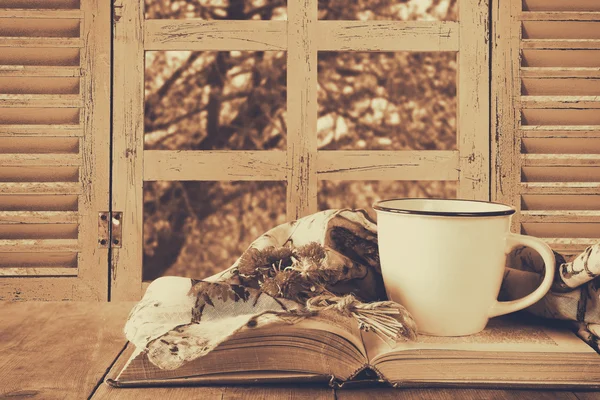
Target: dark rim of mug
[{"x": 510, "y": 211}]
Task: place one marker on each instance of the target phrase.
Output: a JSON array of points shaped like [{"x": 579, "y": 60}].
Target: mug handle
[{"x": 513, "y": 240}]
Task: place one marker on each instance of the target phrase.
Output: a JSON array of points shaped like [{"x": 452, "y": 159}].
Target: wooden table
[{"x": 63, "y": 350}]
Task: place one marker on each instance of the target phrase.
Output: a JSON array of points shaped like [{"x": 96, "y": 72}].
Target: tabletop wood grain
[
  {"x": 58, "y": 350},
  {"x": 64, "y": 350}
]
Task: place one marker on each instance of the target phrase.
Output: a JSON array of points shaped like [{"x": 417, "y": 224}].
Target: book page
[
  {"x": 334, "y": 322},
  {"x": 324, "y": 345},
  {"x": 503, "y": 334}
]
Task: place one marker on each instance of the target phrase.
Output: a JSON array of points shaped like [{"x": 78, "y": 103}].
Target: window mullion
[{"x": 302, "y": 108}]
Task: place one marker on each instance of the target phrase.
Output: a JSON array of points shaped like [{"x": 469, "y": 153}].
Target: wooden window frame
[{"x": 301, "y": 165}]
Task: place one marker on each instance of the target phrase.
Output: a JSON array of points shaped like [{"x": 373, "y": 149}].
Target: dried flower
[
  {"x": 270, "y": 287},
  {"x": 313, "y": 252}
]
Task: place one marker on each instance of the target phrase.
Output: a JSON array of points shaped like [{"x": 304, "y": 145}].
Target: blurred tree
[{"x": 237, "y": 100}]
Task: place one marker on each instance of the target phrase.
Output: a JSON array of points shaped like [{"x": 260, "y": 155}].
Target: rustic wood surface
[
  {"x": 58, "y": 350},
  {"x": 173, "y": 34},
  {"x": 94, "y": 173},
  {"x": 301, "y": 109},
  {"x": 128, "y": 147},
  {"x": 473, "y": 94},
  {"x": 388, "y": 35},
  {"x": 64, "y": 350}
]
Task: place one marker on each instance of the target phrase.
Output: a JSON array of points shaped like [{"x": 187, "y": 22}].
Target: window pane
[
  {"x": 215, "y": 100},
  {"x": 197, "y": 229},
  {"x": 387, "y": 101},
  {"x": 217, "y": 9},
  {"x": 362, "y": 194},
  {"x": 402, "y": 10}
]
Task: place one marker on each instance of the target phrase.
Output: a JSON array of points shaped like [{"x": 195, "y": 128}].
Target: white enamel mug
[{"x": 444, "y": 261}]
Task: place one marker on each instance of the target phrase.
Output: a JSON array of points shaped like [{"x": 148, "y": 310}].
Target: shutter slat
[
  {"x": 560, "y": 101},
  {"x": 560, "y": 216},
  {"x": 39, "y": 245},
  {"x": 40, "y": 42},
  {"x": 562, "y": 188},
  {"x": 560, "y": 44},
  {"x": 42, "y": 56},
  {"x": 560, "y": 159},
  {"x": 562, "y": 230},
  {"x": 560, "y": 72},
  {"x": 572, "y": 88},
  {"x": 39, "y": 271},
  {"x": 24, "y": 159},
  {"x": 560, "y": 117},
  {"x": 560, "y": 16},
  {"x": 28, "y": 70},
  {"x": 26, "y": 13},
  {"x": 40, "y": 100},
  {"x": 40, "y": 188},
  {"x": 561, "y": 5},
  {"x": 38, "y": 217},
  {"x": 552, "y": 133},
  {"x": 41, "y": 130},
  {"x": 560, "y": 202},
  {"x": 570, "y": 144},
  {"x": 37, "y": 27},
  {"x": 552, "y": 30},
  {"x": 562, "y": 58},
  {"x": 570, "y": 247}
]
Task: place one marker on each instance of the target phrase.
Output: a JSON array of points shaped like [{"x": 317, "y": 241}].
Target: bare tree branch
[{"x": 155, "y": 97}]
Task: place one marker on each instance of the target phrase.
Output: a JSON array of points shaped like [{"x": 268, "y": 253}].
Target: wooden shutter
[
  {"x": 54, "y": 148},
  {"x": 546, "y": 83}
]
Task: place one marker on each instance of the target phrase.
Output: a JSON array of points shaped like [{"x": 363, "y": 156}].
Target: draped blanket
[{"x": 322, "y": 262}]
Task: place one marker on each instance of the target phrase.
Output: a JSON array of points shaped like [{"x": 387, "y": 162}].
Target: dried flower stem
[{"x": 377, "y": 317}]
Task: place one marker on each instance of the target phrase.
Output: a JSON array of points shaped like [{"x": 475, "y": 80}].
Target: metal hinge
[{"x": 110, "y": 229}]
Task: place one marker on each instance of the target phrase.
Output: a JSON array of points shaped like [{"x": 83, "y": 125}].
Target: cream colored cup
[{"x": 444, "y": 261}]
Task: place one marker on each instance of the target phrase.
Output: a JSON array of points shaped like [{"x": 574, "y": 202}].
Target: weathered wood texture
[
  {"x": 546, "y": 157},
  {"x": 387, "y": 36},
  {"x": 214, "y": 35},
  {"x": 272, "y": 35},
  {"x": 128, "y": 146},
  {"x": 302, "y": 109},
  {"x": 214, "y": 165},
  {"x": 95, "y": 149},
  {"x": 392, "y": 165},
  {"x": 217, "y": 393},
  {"x": 58, "y": 350},
  {"x": 463, "y": 394},
  {"x": 55, "y": 134},
  {"x": 473, "y": 100},
  {"x": 270, "y": 165}
]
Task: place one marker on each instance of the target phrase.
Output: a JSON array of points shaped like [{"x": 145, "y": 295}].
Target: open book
[{"x": 510, "y": 352}]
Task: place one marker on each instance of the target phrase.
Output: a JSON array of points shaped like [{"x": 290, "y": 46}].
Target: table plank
[
  {"x": 216, "y": 393},
  {"x": 442, "y": 394},
  {"x": 58, "y": 350},
  {"x": 588, "y": 395}
]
